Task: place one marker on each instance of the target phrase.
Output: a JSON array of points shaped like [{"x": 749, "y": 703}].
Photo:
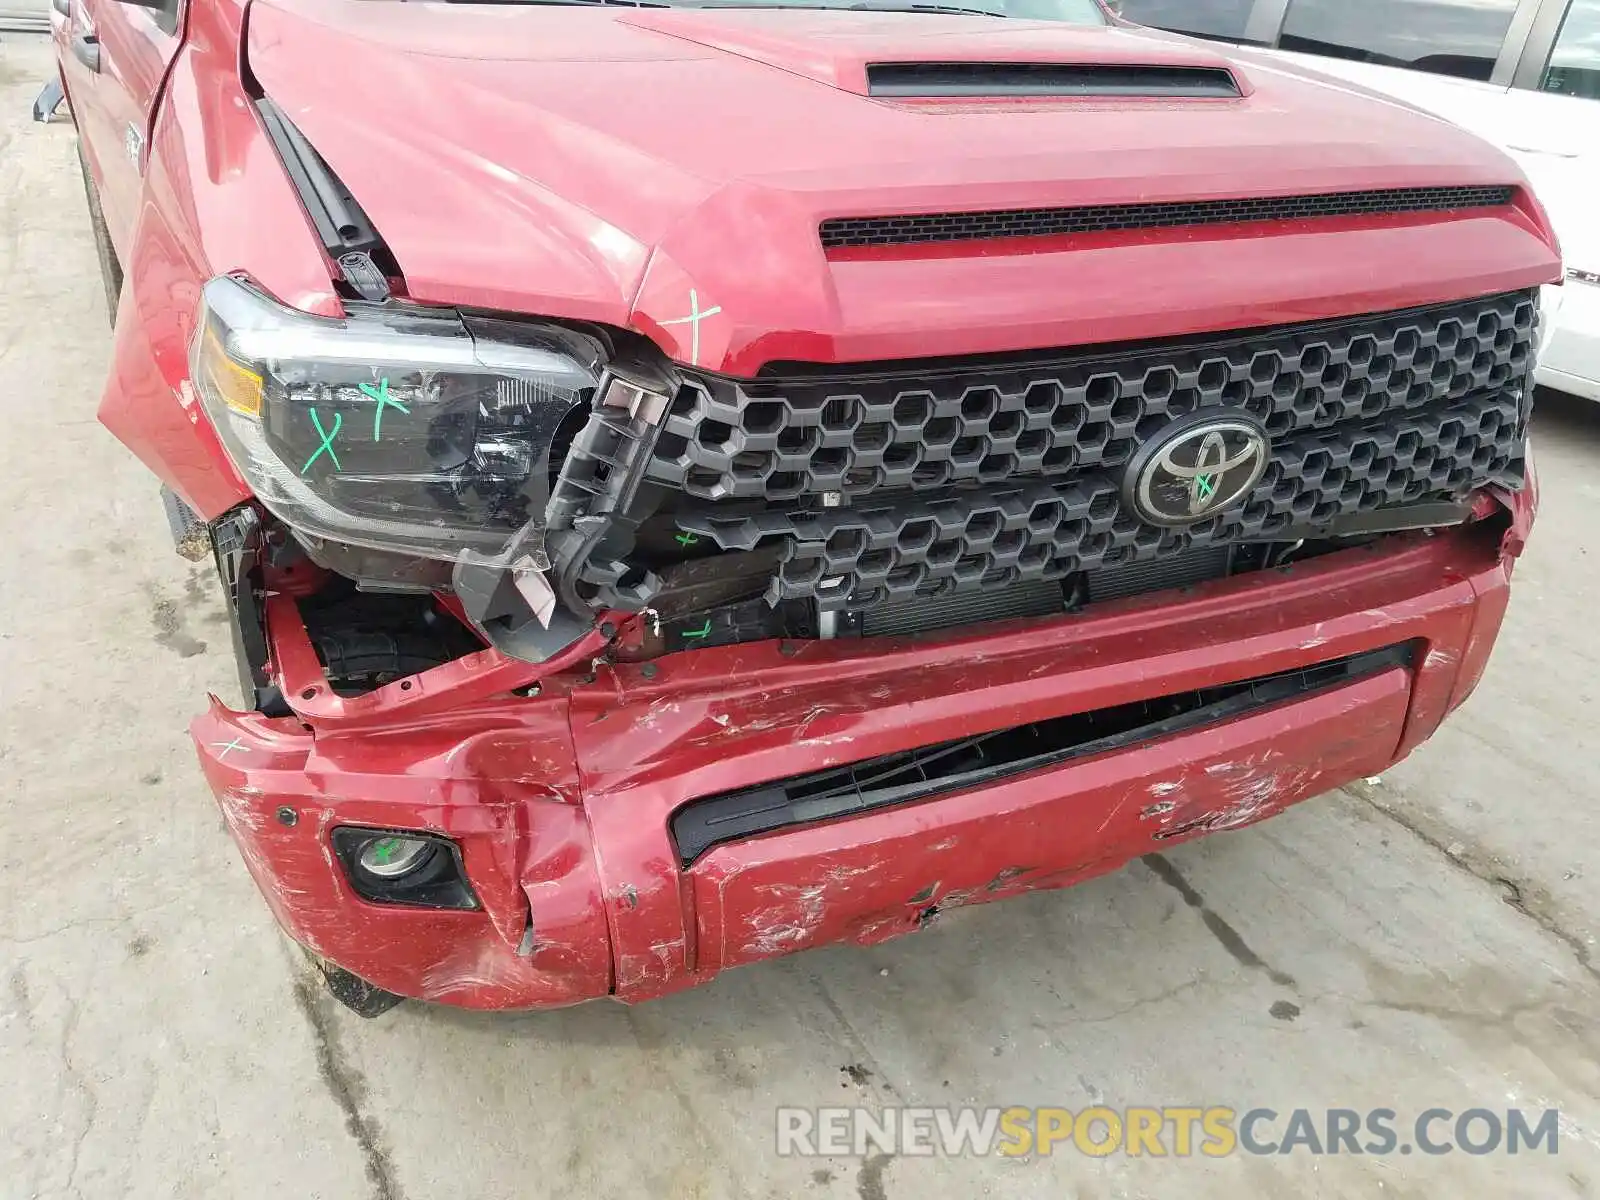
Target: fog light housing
[{"x": 403, "y": 866}]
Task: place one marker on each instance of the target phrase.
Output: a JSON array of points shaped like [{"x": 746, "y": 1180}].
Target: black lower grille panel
[{"x": 951, "y": 766}]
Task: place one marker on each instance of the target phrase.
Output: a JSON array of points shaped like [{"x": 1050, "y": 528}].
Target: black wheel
[
  {"x": 110, "y": 268},
  {"x": 355, "y": 993}
]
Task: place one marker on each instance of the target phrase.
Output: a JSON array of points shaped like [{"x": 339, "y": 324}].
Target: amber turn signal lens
[{"x": 234, "y": 384}]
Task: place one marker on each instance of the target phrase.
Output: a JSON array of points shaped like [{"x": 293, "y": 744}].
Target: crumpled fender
[{"x": 216, "y": 200}]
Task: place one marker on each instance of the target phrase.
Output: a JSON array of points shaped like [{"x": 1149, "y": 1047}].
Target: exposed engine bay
[{"x": 366, "y": 638}]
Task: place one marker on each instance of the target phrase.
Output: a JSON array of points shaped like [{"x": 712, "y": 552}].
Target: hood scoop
[{"x": 985, "y": 80}]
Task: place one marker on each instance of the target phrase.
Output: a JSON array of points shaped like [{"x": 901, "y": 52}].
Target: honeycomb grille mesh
[
  {"x": 991, "y": 539},
  {"x": 916, "y": 482},
  {"x": 841, "y": 232},
  {"x": 931, "y": 429}
]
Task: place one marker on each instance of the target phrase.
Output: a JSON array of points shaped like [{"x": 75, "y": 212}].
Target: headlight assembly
[{"x": 422, "y": 433}]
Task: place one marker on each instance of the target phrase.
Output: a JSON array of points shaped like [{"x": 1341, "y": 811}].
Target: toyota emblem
[{"x": 1196, "y": 467}]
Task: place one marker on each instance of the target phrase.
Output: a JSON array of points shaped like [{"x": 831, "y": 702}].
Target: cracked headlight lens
[{"x": 411, "y": 430}]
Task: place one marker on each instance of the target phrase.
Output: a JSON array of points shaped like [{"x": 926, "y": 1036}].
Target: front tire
[
  {"x": 110, "y": 268},
  {"x": 355, "y": 993}
]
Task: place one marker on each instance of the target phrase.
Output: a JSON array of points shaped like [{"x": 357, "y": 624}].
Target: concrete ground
[{"x": 1426, "y": 941}]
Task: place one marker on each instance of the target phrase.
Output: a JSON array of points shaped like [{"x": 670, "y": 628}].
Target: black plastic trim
[
  {"x": 431, "y": 889},
  {"x": 840, "y": 232},
  {"x": 343, "y": 227},
  {"x": 920, "y": 774},
  {"x": 938, "y": 80},
  {"x": 355, "y": 993}
]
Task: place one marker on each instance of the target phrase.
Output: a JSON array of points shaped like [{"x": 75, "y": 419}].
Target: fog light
[
  {"x": 392, "y": 857},
  {"x": 391, "y": 866}
]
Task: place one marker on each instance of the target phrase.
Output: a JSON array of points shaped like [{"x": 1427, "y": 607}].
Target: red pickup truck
[{"x": 696, "y": 481}]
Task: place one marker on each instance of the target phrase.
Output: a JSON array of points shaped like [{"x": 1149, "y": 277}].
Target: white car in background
[
  {"x": 1524, "y": 74},
  {"x": 1556, "y": 140}
]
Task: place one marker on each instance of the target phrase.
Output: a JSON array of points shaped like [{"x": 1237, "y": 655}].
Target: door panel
[{"x": 114, "y": 62}]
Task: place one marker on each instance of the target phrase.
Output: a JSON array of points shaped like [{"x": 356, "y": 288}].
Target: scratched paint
[{"x": 536, "y": 833}]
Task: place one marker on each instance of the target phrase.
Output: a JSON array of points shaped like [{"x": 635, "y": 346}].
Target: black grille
[
  {"x": 918, "y": 482},
  {"x": 841, "y": 232},
  {"x": 972, "y": 762},
  {"x": 992, "y": 538}
]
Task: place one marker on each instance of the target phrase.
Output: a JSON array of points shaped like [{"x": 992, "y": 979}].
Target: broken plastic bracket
[
  {"x": 503, "y": 595},
  {"x": 539, "y": 595},
  {"x": 596, "y": 506}
]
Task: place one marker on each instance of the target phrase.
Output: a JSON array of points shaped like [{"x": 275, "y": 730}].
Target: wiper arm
[{"x": 891, "y": 6}]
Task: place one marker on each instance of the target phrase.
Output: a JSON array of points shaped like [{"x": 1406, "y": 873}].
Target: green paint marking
[
  {"x": 696, "y": 634},
  {"x": 381, "y": 395},
  {"x": 687, "y": 539},
  {"x": 385, "y": 850},
  {"x": 327, "y": 441},
  {"x": 1206, "y": 485}
]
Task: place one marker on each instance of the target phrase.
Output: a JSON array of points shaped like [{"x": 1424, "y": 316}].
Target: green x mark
[
  {"x": 381, "y": 395},
  {"x": 696, "y": 634},
  {"x": 687, "y": 539},
  {"x": 327, "y": 441},
  {"x": 1205, "y": 485},
  {"x": 385, "y": 849}
]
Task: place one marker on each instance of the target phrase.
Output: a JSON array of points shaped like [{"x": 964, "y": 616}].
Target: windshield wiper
[{"x": 890, "y": 6}]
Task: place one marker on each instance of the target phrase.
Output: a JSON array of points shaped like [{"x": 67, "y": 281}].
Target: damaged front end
[
  {"x": 576, "y": 669},
  {"x": 630, "y": 828},
  {"x": 574, "y": 672},
  {"x": 561, "y": 482}
]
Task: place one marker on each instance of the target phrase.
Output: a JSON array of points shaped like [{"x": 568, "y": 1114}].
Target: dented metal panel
[{"x": 560, "y": 801}]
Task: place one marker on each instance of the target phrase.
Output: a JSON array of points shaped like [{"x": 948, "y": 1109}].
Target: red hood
[{"x": 601, "y": 163}]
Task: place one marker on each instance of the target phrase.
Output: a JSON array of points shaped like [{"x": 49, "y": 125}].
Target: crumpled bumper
[{"x": 561, "y": 803}]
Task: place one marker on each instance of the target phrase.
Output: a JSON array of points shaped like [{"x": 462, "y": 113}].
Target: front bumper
[{"x": 561, "y": 803}]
